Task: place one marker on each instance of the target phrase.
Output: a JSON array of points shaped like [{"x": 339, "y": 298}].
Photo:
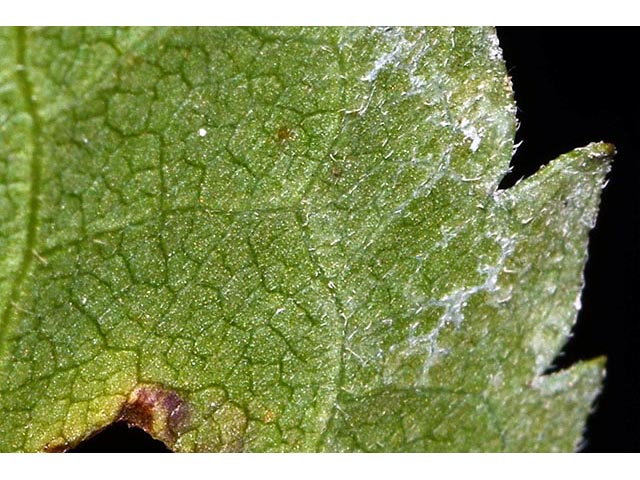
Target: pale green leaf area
[{"x": 283, "y": 240}]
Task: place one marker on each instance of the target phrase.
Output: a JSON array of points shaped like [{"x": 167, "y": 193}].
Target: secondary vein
[{"x": 26, "y": 88}]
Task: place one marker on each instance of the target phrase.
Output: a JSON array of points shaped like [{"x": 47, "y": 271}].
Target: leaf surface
[{"x": 283, "y": 239}]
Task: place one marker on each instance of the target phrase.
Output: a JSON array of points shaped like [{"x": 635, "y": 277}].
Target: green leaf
[{"x": 283, "y": 239}]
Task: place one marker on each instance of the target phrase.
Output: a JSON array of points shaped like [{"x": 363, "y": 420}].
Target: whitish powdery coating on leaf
[{"x": 283, "y": 240}]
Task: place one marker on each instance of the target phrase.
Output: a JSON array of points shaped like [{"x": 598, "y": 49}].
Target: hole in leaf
[{"x": 120, "y": 438}]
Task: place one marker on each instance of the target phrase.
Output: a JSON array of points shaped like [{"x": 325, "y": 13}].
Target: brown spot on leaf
[
  {"x": 177, "y": 412},
  {"x": 269, "y": 416},
  {"x": 56, "y": 447},
  {"x": 160, "y": 412},
  {"x": 336, "y": 172},
  {"x": 283, "y": 134}
]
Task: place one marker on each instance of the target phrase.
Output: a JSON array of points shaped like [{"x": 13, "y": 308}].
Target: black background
[{"x": 573, "y": 86}]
